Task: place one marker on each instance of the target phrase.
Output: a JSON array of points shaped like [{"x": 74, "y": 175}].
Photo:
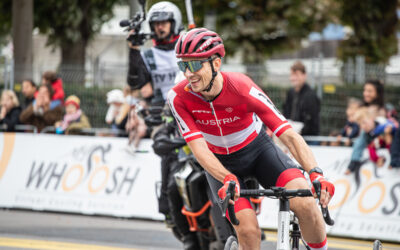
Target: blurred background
[{"x": 342, "y": 43}]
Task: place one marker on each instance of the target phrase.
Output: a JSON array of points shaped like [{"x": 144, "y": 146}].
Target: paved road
[{"x": 21, "y": 229}]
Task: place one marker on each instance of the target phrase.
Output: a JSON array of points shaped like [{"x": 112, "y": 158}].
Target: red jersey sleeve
[
  {"x": 259, "y": 103},
  {"x": 184, "y": 119}
]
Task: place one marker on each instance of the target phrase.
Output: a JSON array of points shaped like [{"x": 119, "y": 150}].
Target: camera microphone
[{"x": 124, "y": 23}]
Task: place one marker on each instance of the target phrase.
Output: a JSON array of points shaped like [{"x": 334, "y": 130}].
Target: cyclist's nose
[{"x": 188, "y": 73}]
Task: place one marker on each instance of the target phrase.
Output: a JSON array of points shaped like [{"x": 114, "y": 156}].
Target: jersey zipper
[{"x": 220, "y": 129}]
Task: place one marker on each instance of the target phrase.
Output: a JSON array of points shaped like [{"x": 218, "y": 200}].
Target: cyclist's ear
[{"x": 217, "y": 63}]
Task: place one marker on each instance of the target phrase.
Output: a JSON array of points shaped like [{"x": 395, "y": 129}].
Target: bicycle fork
[{"x": 283, "y": 242}]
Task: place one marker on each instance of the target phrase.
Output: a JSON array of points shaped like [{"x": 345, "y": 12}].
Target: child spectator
[
  {"x": 379, "y": 133},
  {"x": 351, "y": 129},
  {"x": 10, "y": 110},
  {"x": 74, "y": 119},
  {"x": 115, "y": 116},
  {"x": 29, "y": 89},
  {"x": 40, "y": 113},
  {"x": 50, "y": 77}
]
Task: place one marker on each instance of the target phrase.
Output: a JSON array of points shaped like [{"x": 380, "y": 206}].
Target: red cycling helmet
[{"x": 199, "y": 43}]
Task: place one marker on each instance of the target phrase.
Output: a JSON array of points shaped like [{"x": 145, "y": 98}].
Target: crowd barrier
[{"x": 95, "y": 175}]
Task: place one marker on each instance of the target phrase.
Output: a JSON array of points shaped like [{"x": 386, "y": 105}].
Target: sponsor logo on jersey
[
  {"x": 229, "y": 109},
  {"x": 219, "y": 121},
  {"x": 201, "y": 111}
]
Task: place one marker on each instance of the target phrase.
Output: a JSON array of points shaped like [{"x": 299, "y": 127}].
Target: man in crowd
[
  {"x": 29, "y": 89},
  {"x": 302, "y": 104}
]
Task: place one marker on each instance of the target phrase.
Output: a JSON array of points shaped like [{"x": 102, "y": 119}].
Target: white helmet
[{"x": 166, "y": 11}]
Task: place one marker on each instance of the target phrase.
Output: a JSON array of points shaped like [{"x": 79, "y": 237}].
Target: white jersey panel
[{"x": 165, "y": 70}]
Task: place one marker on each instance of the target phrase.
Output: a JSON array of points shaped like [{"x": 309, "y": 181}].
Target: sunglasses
[{"x": 193, "y": 66}]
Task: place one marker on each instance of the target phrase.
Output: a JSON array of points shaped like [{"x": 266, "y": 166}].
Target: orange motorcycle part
[{"x": 192, "y": 217}]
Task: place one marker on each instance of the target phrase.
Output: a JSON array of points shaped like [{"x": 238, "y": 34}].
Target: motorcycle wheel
[
  {"x": 377, "y": 245},
  {"x": 231, "y": 243}
]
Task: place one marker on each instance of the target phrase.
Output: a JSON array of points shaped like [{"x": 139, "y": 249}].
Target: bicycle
[{"x": 286, "y": 240}]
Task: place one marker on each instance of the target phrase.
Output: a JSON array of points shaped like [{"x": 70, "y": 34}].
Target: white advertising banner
[
  {"x": 365, "y": 204},
  {"x": 89, "y": 175},
  {"x": 95, "y": 175}
]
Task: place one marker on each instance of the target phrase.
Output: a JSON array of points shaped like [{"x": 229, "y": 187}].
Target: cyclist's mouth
[{"x": 194, "y": 82}]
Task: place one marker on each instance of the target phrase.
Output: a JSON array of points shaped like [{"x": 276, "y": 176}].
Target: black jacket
[
  {"x": 11, "y": 119},
  {"x": 306, "y": 109}
]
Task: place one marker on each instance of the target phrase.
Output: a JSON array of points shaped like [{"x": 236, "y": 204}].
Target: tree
[
  {"x": 22, "y": 25},
  {"x": 374, "y": 24},
  {"x": 71, "y": 25}
]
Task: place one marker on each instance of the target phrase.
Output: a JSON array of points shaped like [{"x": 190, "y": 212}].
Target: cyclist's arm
[
  {"x": 299, "y": 149},
  {"x": 207, "y": 159}
]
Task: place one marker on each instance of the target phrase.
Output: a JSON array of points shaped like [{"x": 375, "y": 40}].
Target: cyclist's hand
[
  {"x": 327, "y": 188},
  {"x": 224, "y": 188}
]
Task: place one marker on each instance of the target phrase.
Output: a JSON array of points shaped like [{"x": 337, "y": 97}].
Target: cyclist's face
[
  {"x": 162, "y": 29},
  {"x": 200, "y": 79}
]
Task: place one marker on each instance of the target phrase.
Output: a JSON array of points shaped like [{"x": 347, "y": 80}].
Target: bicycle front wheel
[
  {"x": 377, "y": 245},
  {"x": 231, "y": 243}
]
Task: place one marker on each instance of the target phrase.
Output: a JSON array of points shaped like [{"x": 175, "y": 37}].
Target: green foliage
[
  {"x": 67, "y": 22},
  {"x": 5, "y": 20},
  {"x": 261, "y": 27},
  {"x": 374, "y": 24}
]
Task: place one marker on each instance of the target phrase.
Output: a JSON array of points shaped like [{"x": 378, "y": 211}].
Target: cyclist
[
  {"x": 220, "y": 115},
  {"x": 155, "y": 69}
]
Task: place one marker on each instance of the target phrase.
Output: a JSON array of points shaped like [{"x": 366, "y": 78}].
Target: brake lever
[
  {"x": 230, "y": 194},
  {"x": 325, "y": 212}
]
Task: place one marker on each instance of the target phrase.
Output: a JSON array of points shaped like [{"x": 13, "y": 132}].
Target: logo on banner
[
  {"x": 91, "y": 171},
  {"x": 5, "y": 156}
]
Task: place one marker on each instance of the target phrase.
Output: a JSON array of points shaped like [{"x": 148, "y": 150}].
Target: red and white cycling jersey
[{"x": 232, "y": 120}]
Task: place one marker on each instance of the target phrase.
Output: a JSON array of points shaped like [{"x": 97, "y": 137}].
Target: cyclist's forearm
[
  {"x": 299, "y": 149},
  {"x": 208, "y": 160}
]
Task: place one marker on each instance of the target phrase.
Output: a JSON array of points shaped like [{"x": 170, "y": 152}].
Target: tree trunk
[
  {"x": 72, "y": 68},
  {"x": 22, "y": 25}
]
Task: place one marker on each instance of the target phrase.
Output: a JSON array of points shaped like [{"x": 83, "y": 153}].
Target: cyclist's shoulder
[{"x": 238, "y": 83}]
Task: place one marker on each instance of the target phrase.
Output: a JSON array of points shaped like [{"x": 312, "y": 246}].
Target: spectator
[
  {"x": 115, "y": 114},
  {"x": 373, "y": 99},
  {"x": 302, "y": 104},
  {"x": 351, "y": 129},
  {"x": 50, "y": 77},
  {"x": 40, "y": 113},
  {"x": 395, "y": 151},
  {"x": 74, "y": 119},
  {"x": 29, "y": 89},
  {"x": 378, "y": 133},
  {"x": 10, "y": 110},
  {"x": 136, "y": 129}
]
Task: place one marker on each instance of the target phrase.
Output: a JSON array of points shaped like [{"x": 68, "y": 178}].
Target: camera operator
[{"x": 153, "y": 71}]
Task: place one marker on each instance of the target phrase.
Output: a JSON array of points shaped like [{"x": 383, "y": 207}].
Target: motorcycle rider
[{"x": 154, "y": 71}]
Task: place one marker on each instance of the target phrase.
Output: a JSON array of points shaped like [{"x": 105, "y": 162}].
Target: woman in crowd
[
  {"x": 10, "y": 110},
  {"x": 373, "y": 100}
]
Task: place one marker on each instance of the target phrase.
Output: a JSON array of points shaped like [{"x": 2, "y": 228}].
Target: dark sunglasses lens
[
  {"x": 182, "y": 66},
  {"x": 195, "y": 66}
]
